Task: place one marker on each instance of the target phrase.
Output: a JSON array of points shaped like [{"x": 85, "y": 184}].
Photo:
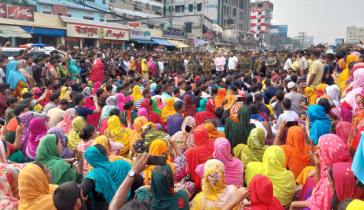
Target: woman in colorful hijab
[
  {"x": 118, "y": 133},
  {"x": 66, "y": 153},
  {"x": 342, "y": 114},
  {"x": 92, "y": 119},
  {"x": 97, "y": 85},
  {"x": 105, "y": 177},
  {"x": 131, "y": 67},
  {"x": 155, "y": 107},
  {"x": 63, "y": 92},
  {"x": 215, "y": 193},
  {"x": 163, "y": 195},
  {"x": 296, "y": 151},
  {"x": 254, "y": 150},
  {"x": 200, "y": 117},
  {"x": 190, "y": 108},
  {"x": 283, "y": 180},
  {"x": 211, "y": 126},
  {"x": 75, "y": 71},
  {"x": 200, "y": 153},
  {"x": 331, "y": 150},
  {"x": 9, "y": 191},
  {"x": 136, "y": 93},
  {"x": 48, "y": 153},
  {"x": 37, "y": 129},
  {"x": 220, "y": 98},
  {"x": 153, "y": 116},
  {"x": 319, "y": 122},
  {"x": 35, "y": 189},
  {"x": 191, "y": 124},
  {"x": 30, "y": 80},
  {"x": 262, "y": 199},
  {"x": 73, "y": 137},
  {"x": 16, "y": 80},
  {"x": 230, "y": 99},
  {"x": 334, "y": 92},
  {"x": 136, "y": 133},
  {"x": 97, "y": 73},
  {"x": 238, "y": 132},
  {"x": 311, "y": 95},
  {"x": 66, "y": 123},
  {"x": 343, "y": 131},
  {"x": 344, "y": 76},
  {"x": 25, "y": 119},
  {"x": 120, "y": 101},
  {"x": 111, "y": 103},
  {"x": 324, "y": 102},
  {"x": 168, "y": 110},
  {"x": 202, "y": 105}
]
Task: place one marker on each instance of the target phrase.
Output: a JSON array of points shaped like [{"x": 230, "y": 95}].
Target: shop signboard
[
  {"x": 173, "y": 33},
  {"x": 96, "y": 32},
  {"x": 133, "y": 25},
  {"x": 140, "y": 34},
  {"x": 3, "y": 10},
  {"x": 20, "y": 13}
]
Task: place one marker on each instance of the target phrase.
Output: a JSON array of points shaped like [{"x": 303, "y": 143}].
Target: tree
[{"x": 23, "y": 3}]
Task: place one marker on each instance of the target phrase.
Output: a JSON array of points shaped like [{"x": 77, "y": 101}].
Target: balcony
[
  {"x": 158, "y": 12},
  {"x": 137, "y": 8}
]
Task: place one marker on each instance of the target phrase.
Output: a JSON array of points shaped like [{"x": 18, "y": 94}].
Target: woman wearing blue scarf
[
  {"x": 102, "y": 182},
  {"x": 318, "y": 121},
  {"x": 16, "y": 80}
]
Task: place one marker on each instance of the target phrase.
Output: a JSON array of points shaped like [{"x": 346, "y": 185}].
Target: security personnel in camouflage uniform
[
  {"x": 272, "y": 60},
  {"x": 178, "y": 64},
  {"x": 247, "y": 61},
  {"x": 240, "y": 62},
  {"x": 258, "y": 62},
  {"x": 168, "y": 64},
  {"x": 193, "y": 64},
  {"x": 206, "y": 64},
  {"x": 282, "y": 58}
]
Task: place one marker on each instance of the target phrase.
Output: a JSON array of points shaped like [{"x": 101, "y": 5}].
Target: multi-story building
[
  {"x": 135, "y": 9},
  {"x": 260, "y": 19},
  {"x": 89, "y": 10},
  {"x": 354, "y": 34}
]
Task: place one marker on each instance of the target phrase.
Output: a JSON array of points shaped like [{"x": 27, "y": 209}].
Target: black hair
[
  {"x": 279, "y": 88},
  {"x": 115, "y": 112},
  {"x": 20, "y": 108},
  {"x": 253, "y": 88},
  {"x": 136, "y": 204},
  {"x": 345, "y": 203},
  {"x": 145, "y": 92},
  {"x": 333, "y": 128},
  {"x": 316, "y": 53},
  {"x": 258, "y": 97},
  {"x": 286, "y": 103},
  {"x": 330, "y": 56},
  {"x": 158, "y": 90},
  {"x": 11, "y": 101},
  {"x": 188, "y": 88},
  {"x": 63, "y": 101},
  {"x": 56, "y": 86},
  {"x": 267, "y": 83},
  {"x": 63, "y": 81},
  {"x": 175, "y": 90},
  {"x": 128, "y": 104},
  {"x": 41, "y": 165},
  {"x": 28, "y": 95},
  {"x": 53, "y": 97},
  {"x": 294, "y": 78},
  {"x": 120, "y": 88},
  {"x": 196, "y": 91},
  {"x": 101, "y": 149},
  {"x": 254, "y": 107},
  {"x": 65, "y": 196},
  {"x": 214, "y": 90},
  {"x": 86, "y": 132},
  {"x": 259, "y": 85},
  {"x": 213, "y": 121},
  {"x": 204, "y": 87},
  {"x": 280, "y": 95},
  {"x": 77, "y": 98},
  {"x": 198, "y": 84},
  {"x": 99, "y": 92},
  {"x": 254, "y": 81},
  {"x": 218, "y": 112},
  {"x": 5, "y": 145},
  {"x": 108, "y": 88},
  {"x": 73, "y": 93}
]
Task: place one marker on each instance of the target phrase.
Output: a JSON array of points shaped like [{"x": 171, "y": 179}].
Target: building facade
[
  {"x": 260, "y": 19},
  {"x": 135, "y": 9},
  {"x": 354, "y": 34}
]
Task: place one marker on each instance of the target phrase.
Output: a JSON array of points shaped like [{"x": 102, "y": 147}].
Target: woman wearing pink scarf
[
  {"x": 97, "y": 72},
  {"x": 159, "y": 103},
  {"x": 94, "y": 118},
  {"x": 152, "y": 67},
  {"x": 25, "y": 73},
  {"x": 66, "y": 123},
  {"x": 120, "y": 101},
  {"x": 234, "y": 168},
  {"x": 97, "y": 85},
  {"x": 37, "y": 129}
]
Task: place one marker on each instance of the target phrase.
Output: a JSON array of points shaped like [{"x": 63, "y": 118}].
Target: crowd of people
[{"x": 244, "y": 130}]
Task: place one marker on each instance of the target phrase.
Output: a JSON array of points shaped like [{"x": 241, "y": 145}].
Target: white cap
[{"x": 291, "y": 85}]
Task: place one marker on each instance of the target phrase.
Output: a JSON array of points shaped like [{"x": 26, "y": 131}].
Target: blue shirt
[
  {"x": 269, "y": 94},
  {"x": 165, "y": 95},
  {"x": 82, "y": 71},
  {"x": 174, "y": 127},
  {"x": 186, "y": 93},
  {"x": 83, "y": 111}
]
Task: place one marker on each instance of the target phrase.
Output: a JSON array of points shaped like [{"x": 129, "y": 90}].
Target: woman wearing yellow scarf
[
  {"x": 73, "y": 138},
  {"x": 168, "y": 110},
  {"x": 63, "y": 92},
  {"x": 118, "y": 133},
  {"x": 136, "y": 93},
  {"x": 344, "y": 76}
]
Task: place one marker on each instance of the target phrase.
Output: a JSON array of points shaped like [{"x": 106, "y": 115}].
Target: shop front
[
  {"x": 96, "y": 34},
  {"x": 140, "y": 39}
]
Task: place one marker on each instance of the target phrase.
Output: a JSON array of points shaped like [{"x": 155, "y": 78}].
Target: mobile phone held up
[
  {"x": 159, "y": 160},
  {"x": 291, "y": 123},
  {"x": 2, "y": 121},
  {"x": 92, "y": 98}
]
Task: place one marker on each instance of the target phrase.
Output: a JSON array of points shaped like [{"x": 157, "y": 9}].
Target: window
[
  {"x": 180, "y": 8},
  {"x": 47, "y": 12},
  {"x": 153, "y": 9},
  {"x": 124, "y": 16},
  {"x": 104, "y": 1},
  {"x": 147, "y": 6},
  {"x": 69, "y": 15},
  {"x": 259, "y": 20},
  {"x": 159, "y": 0},
  {"x": 190, "y": 8},
  {"x": 188, "y": 27},
  {"x": 102, "y": 20},
  {"x": 260, "y": 5},
  {"x": 259, "y": 28},
  {"x": 199, "y": 7},
  {"x": 112, "y": 1},
  {"x": 259, "y": 13},
  {"x": 137, "y": 6},
  {"x": 88, "y": 18},
  {"x": 124, "y": 1},
  {"x": 158, "y": 10},
  {"x": 91, "y": 0}
]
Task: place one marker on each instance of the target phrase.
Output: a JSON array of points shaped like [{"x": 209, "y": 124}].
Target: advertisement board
[
  {"x": 140, "y": 34},
  {"x": 96, "y": 32},
  {"x": 20, "y": 13},
  {"x": 339, "y": 40},
  {"x": 173, "y": 33},
  {"x": 3, "y": 10},
  {"x": 278, "y": 31}
]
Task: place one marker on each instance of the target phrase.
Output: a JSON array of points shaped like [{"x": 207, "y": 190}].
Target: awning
[
  {"x": 13, "y": 31},
  {"x": 178, "y": 43},
  {"x": 145, "y": 42},
  {"x": 163, "y": 42}
]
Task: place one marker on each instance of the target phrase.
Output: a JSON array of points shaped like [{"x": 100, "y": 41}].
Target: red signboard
[
  {"x": 134, "y": 24},
  {"x": 20, "y": 13},
  {"x": 3, "y": 10},
  {"x": 208, "y": 35}
]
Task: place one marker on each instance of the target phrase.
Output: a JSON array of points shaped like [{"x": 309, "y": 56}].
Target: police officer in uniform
[
  {"x": 168, "y": 64},
  {"x": 272, "y": 60},
  {"x": 206, "y": 64},
  {"x": 282, "y": 58},
  {"x": 179, "y": 68},
  {"x": 193, "y": 64},
  {"x": 257, "y": 66}
]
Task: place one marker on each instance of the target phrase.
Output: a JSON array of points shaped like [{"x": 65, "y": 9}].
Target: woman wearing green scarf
[
  {"x": 163, "y": 196},
  {"x": 155, "y": 104},
  {"x": 202, "y": 105},
  {"x": 48, "y": 152},
  {"x": 238, "y": 132}
]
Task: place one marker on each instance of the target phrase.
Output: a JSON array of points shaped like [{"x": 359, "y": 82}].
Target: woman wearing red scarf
[
  {"x": 97, "y": 72},
  {"x": 200, "y": 117},
  {"x": 199, "y": 154},
  {"x": 153, "y": 116}
]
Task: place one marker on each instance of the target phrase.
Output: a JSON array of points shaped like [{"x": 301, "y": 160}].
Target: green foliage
[{"x": 23, "y": 3}]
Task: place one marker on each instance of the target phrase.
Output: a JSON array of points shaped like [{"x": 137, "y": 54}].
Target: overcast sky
[{"x": 323, "y": 19}]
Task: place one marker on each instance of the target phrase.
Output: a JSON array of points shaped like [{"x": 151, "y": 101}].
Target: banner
[
  {"x": 173, "y": 33},
  {"x": 96, "y": 32},
  {"x": 20, "y": 13},
  {"x": 278, "y": 31},
  {"x": 3, "y": 11},
  {"x": 140, "y": 34}
]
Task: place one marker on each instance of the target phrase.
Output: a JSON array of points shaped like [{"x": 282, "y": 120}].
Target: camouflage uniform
[
  {"x": 168, "y": 63},
  {"x": 206, "y": 65},
  {"x": 258, "y": 64},
  {"x": 272, "y": 62},
  {"x": 241, "y": 64},
  {"x": 248, "y": 61},
  {"x": 192, "y": 65},
  {"x": 178, "y": 65}
]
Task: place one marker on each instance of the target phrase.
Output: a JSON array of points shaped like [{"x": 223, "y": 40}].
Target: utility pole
[
  {"x": 302, "y": 36},
  {"x": 171, "y": 13}
]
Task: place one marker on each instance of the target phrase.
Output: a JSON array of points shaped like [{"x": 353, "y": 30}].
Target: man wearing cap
[
  {"x": 258, "y": 62},
  {"x": 206, "y": 64},
  {"x": 175, "y": 121},
  {"x": 168, "y": 63},
  {"x": 192, "y": 65},
  {"x": 178, "y": 64},
  {"x": 295, "y": 98},
  {"x": 272, "y": 60}
]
